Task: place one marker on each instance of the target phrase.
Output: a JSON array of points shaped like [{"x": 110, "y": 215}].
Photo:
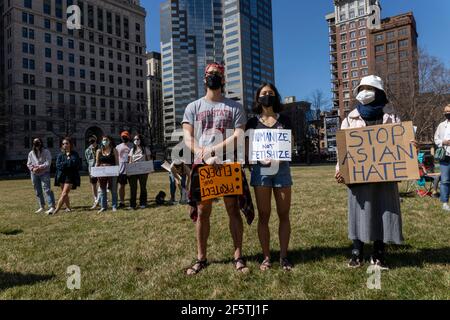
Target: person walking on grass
[
  {"x": 442, "y": 140},
  {"x": 90, "y": 156},
  {"x": 107, "y": 155},
  {"x": 123, "y": 150},
  {"x": 203, "y": 120},
  {"x": 67, "y": 173},
  {"x": 39, "y": 162},
  {"x": 373, "y": 208},
  {"x": 267, "y": 107},
  {"x": 138, "y": 153}
]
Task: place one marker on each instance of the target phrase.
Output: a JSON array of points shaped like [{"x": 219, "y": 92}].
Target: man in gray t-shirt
[{"x": 205, "y": 125}]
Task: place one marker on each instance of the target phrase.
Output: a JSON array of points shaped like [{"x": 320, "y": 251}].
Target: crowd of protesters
[{"x": 374, "y": 213}]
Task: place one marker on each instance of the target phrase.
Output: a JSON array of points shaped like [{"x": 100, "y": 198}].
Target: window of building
[
  {"x": 391, "y": 46},
  {"x": 403, "y": 43}
]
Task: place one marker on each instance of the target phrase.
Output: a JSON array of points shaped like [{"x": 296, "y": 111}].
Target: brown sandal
[
  {"x": 197, "y": 267},
  {"x": 243, "y": 266},
  {"x": 265, "y": 265}
]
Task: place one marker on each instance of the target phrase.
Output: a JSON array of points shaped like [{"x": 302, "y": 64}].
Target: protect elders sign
[
  {"x": 378, "y": 153},
  {"x": 226, "y": 180}
]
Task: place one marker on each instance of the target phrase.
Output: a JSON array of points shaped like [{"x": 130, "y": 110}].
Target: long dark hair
[
  {"x": 35, "y": 150},
  {"x": 112, "y": 145},
  {"x": 68, "y": 139},
  {"x": 258, "y": 108},
  {"x": 142, "y": 145}
]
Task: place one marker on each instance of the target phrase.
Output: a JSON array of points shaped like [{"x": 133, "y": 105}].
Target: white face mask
[
  {"x": 366, "y": 96},
  {"x": 137, "y": 142}
]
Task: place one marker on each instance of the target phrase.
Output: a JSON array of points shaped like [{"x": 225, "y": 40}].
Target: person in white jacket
[
  {"x": 39, "y": 162},
  {"x": 442, "y": 140}
]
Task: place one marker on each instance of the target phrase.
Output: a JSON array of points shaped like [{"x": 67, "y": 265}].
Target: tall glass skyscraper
[
  {"x": 248, "y": 47},
  {"x": 197, "y": 32},
  {"x": 191, "y": 37}
]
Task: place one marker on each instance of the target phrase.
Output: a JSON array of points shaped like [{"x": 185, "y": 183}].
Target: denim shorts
[{"x": 280, "y": 179}]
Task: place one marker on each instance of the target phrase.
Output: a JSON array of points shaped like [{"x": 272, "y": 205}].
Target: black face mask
[
  {"x": 267, "y": 101},
  {"x": 447, "y": 116},
  {"x": 37, "y": 145},
  {"x": 125, "y": 139},
  {"x": 214, "y": 82}
]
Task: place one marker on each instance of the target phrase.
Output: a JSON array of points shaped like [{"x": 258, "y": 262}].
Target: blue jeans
[
  {"x": 445, "y": 180},
  {"x": 173, "y": 185},
  {"x": 111, "y": 184},
  {"x": 274, "y": 177},
  {"x": 43, "y": 182}
]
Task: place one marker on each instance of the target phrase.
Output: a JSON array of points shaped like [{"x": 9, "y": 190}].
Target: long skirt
[{"x": 374, "y": 213}]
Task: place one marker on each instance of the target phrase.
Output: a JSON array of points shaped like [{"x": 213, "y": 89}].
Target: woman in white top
[
  {"x": 138, "y": 153},
  {"x": 39, "y": 161},
  {"x": 442, "y": 140}
]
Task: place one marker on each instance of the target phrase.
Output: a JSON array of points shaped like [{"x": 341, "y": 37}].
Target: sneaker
[
  {"x": 142, "y": 207},
  {"x": 101, "y": 210},
  {"x": 94, "y": 206},
  {"x": 356, "y": 261},
  {"x": 50, "y": 211},
  {"x": 39, "y": 210},
  {"x": 68, "y": 210},
  {"x": 121, "y": 205},
  {"x": 446, "y": 207},
  {"x": 380, "y": 262},
  {"x": 114, "y": 209}
]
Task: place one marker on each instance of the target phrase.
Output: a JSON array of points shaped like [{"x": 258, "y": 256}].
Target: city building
[
  {"x": 154, "y": 97},
  {"x": 395, "y": 55},
  {"x": 61, "y": 81},
  {"x": 191, "y": 37},
  {"x": 248, "y": 48},
  {"x": 361, "y": 43},
  {"x": 195, "y": 33}
]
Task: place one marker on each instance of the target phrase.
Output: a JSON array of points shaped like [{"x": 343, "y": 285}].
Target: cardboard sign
[
  {"x": 270, "y": 144},
  {"x": 108, "y": 171},
  {"x": 137, "y": 168},
  {"x": 225, "y": 181},
  {"x": 377, "y": 154}
]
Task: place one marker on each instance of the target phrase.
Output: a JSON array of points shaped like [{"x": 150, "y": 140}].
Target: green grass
[{"x": 142, "y": 254}]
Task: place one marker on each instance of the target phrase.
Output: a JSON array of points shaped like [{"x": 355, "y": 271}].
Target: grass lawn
[{"x": 142, "y": 254}]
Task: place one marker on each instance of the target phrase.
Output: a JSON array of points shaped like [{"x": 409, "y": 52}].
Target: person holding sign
[
  {"x": 442, "y": 140},
  {"x": 123, "y": 150},
  {"x": 67, "y": 175},
  {"x": 90, "y": 154},
  {"x": 107, "y": 155},
  {"x": 206, "y": 121},
  {"x": 138, "y": 153},
  {"x": 373, "y": 208},
  {"x": 276, "y": 179},
  {"x": 179, "y": 176}
]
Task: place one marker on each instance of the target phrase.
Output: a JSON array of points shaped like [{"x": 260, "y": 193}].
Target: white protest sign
[
  {"x": 166, "y": 166},
  {"x": 107, "y": 171},
  {"x": 270, "y": 144},
  {"x": 137, "y": 168}
]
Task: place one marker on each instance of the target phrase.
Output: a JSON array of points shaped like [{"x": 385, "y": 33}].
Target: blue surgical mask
[{"x": 105, "y": 143}]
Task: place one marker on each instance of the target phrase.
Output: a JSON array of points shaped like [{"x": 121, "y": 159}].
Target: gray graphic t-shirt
[{"x": 211, "y": 119}]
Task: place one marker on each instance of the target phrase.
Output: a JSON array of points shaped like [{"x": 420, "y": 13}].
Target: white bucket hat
[{"x": 373, "y": 81}]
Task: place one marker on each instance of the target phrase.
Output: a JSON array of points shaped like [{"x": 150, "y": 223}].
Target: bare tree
[
  {"x": 318, "y": 100},
  {"x": 421, "y": 95}
]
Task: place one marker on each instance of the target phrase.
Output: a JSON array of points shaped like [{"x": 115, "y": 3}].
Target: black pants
[{"x": 133, "y": 180}]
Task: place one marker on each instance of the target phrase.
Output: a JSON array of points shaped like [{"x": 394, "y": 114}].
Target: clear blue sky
[{"x": 301, "y": 38}]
